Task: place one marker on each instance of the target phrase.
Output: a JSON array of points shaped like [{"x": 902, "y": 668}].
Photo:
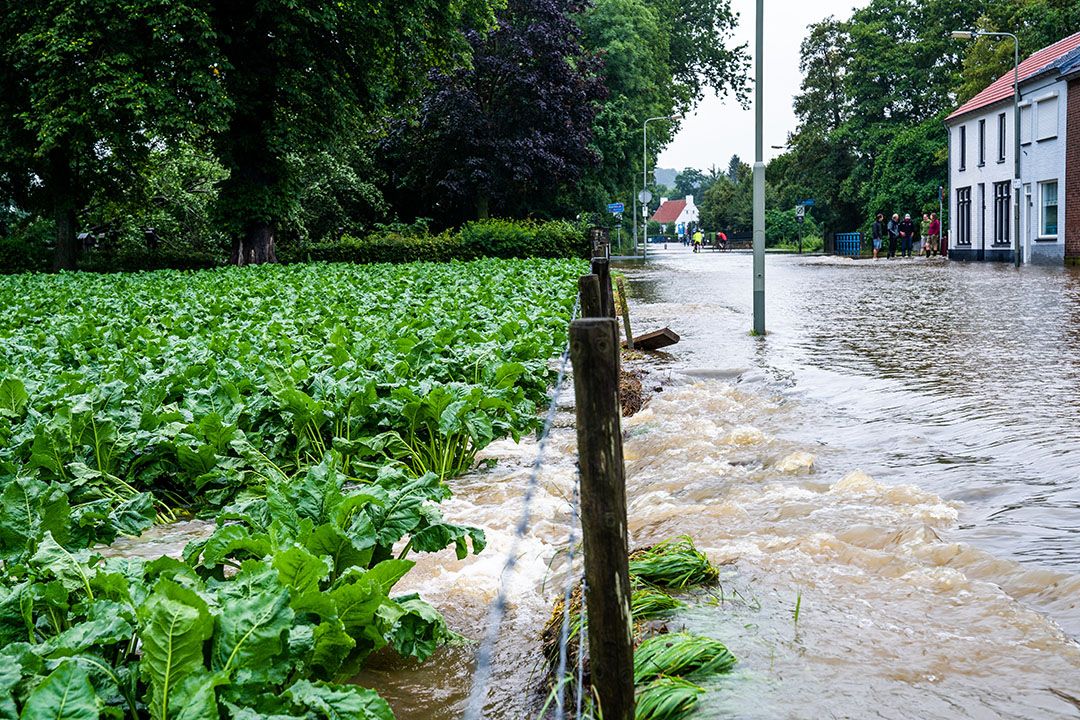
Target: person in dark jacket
[
  {"x": 878, "y": 234},
  {"x": 893, "y": 229},
  {"x": 907, "y": 235}
]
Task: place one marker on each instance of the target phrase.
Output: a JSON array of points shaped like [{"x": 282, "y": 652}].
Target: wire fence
[{"x": 497, "y": 610}]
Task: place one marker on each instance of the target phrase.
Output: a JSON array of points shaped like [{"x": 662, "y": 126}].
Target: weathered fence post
[
  {"x": 624, "y": 308},
  {"x": 594, "y": 352},
  {"x": 589, "y": 289},
  {"x": 601, "y": 268}
]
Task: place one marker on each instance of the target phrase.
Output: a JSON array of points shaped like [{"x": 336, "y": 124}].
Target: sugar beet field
[{"x": 317, "y": 412}]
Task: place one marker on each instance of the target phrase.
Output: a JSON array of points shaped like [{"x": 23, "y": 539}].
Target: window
[
  {"x": 982, "y": 143},
  {"x": 1001, "y": 138},
  {"x": 1047, "y": 119},
  {"x": 1048, "y": 192},
  {"x": 963, "y": 216},
  {"x": 1002, "y": 203},
  {"x": 963, "y": 148},
  {"x": 1025, "y": 124}
]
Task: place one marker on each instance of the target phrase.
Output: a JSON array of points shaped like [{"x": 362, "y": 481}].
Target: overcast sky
[{"x": 720, "y": 128}]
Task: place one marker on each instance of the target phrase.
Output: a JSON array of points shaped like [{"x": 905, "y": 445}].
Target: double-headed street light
[
  {"x": 644, "y": 196},
  {"x": 1018, "y": 182}
]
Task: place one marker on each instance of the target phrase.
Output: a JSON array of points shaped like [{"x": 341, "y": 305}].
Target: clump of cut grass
[
  {"x": 680, "y": 654},
  {"x": 676, "y": 564},
  {"x": 651, "y": 604},
  {"x": 667, "y": 698}
]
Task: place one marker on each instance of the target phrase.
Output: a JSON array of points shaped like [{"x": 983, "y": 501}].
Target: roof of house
[
  {"x": 669, "y": 212},
  {"x": 1067, "y": 64},
  {"x": 1046, "y": 59}
]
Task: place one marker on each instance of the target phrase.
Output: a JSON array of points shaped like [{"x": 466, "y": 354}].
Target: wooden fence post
[
  {"x": 589, "y": 289},
  {"x": 594, "y": 352},
  {"x": 601, "y": 268},
  {"x": 624, "y": 308}
]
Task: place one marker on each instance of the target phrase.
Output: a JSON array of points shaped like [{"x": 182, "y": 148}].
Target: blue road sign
[
  {"x": 807, "y": 203},
  {"x": 616, "y": 208}
]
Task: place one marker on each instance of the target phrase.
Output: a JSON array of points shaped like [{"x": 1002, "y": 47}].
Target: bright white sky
[{"x": 720, "y": 128}]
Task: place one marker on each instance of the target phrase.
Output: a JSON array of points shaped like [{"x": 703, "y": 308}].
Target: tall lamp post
[
  {"x": 645, "y": 175},
  {"x": 759, "y": 177},
  {"x": 1017, "y": 182}
]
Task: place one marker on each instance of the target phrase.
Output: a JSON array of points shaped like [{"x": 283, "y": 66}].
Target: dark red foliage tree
[{"x": 503, "y": 136}]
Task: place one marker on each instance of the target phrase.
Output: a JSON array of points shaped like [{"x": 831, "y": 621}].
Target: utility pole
[{"x": 759, "y": 178}]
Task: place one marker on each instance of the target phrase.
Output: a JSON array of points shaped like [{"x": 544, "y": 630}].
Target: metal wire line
[
  {"x": 497, "y": 610},
  {"x": 564, "y": 634}
]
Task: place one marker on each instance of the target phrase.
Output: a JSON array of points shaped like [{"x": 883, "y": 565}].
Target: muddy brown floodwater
[{"x": 899, "y": 459}]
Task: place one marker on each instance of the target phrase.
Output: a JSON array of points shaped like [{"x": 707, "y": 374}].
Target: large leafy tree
[
  {"x": 302, "y": 77},
  {"x": 86, "y": 91},
  {"x": 660, "y": 57},
  {"x": 506, "y": 134}
]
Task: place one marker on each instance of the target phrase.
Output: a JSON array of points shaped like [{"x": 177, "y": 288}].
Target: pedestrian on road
[
  {"x": 907, "y": 235},
  {"x": 933, "y": 236},
  {"x": 893, "y": 229},
  {"x": 879, "y": 233}
]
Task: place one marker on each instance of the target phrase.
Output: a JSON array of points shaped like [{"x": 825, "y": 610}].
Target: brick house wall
[{"x": 1072, "y": 176}]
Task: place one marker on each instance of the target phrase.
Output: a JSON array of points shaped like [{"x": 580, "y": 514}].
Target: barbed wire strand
[
  {"x": 474, "y": 710},
  {"x": 581, "y": 652},
  {"x": 564, "y": 635}
]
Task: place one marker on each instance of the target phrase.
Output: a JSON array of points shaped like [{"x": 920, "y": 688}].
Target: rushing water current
[{"x": 899, "y": 459}]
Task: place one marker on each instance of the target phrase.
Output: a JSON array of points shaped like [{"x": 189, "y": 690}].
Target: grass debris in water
[
  {"x": 674, "y": 564},
  {"x": 651, "y": 604},
  {"x": 667, "y": 698},
  {"x": 680, "y": 654}
]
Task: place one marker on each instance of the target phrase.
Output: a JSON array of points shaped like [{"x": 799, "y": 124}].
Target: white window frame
[
  {"x": 1046, "y": 105},
  {"x": 1027, "y": 113},
  {"x": 1043, "y": 235}
]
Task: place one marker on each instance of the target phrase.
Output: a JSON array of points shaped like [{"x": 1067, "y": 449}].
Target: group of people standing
[{"x": 902, "y": 234}]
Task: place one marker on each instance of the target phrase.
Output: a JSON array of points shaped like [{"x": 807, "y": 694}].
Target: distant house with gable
[
  {"x": 676, "y": 213},
  {"x": 981, "y": 164}
]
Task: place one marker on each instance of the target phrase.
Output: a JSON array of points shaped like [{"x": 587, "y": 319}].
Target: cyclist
[{"x": 699, "y": 238}]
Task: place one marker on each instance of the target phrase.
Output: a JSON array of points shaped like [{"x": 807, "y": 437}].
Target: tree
[
  {"x": 302, "y": 77},
  {"x": 659, "y": 58},
  {"x": 506, "y": 134},
  {"x": 690, "y": 182},
  {"x": 87, "y": 89}
]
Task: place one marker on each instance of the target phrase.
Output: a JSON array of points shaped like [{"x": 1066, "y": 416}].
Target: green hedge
[
  {"x": 401, "y": 244},
  {"x": 480, "y": 239}
]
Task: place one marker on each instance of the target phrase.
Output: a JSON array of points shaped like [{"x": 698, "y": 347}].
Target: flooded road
[{"x": 900, "y": 459}]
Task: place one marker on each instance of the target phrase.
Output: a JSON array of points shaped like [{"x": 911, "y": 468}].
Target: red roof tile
[
  {"x": 1002, "y": 88},
  {"x": 669, "y": 212}
]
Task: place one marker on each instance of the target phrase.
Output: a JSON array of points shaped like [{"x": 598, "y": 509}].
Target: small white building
[
  {"x": 677, "y": 213},
  {"x": 981, "y": 163}
]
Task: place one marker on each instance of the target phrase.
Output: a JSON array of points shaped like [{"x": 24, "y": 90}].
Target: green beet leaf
[
  {"x": 340, "y": 702},
  {"x": 66, "y": 694},
  {"x": 252, "y": 626},
  {"x": 174, "y": 624}
]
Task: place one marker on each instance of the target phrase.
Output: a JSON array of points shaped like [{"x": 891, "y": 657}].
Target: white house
[
  {"x": 677, "y": 213},
  {"x": 981, "y": 163}
]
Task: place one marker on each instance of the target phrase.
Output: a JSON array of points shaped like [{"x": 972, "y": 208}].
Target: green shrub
[
  {"x": 481, "y": 239},
  {"x": 509, "y": 239},
  {"x": 26, "y": 248}
]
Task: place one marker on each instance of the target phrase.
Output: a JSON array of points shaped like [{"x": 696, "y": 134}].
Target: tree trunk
[
  {"x": 67, "y": 249},
  {"x": 60, "y": 184},
  {"x": 256, "y": 247},
  {"x": 482, "y": 207}
]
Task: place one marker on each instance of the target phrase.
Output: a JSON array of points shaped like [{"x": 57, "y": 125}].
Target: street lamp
[
  {"x": 645, "y": 175},
  {"x": 1018, "y": 182},
  {"x": 759, "y": 177}
]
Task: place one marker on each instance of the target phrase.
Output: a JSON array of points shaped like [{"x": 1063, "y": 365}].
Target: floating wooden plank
[{"x": 656, "y": 340}]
